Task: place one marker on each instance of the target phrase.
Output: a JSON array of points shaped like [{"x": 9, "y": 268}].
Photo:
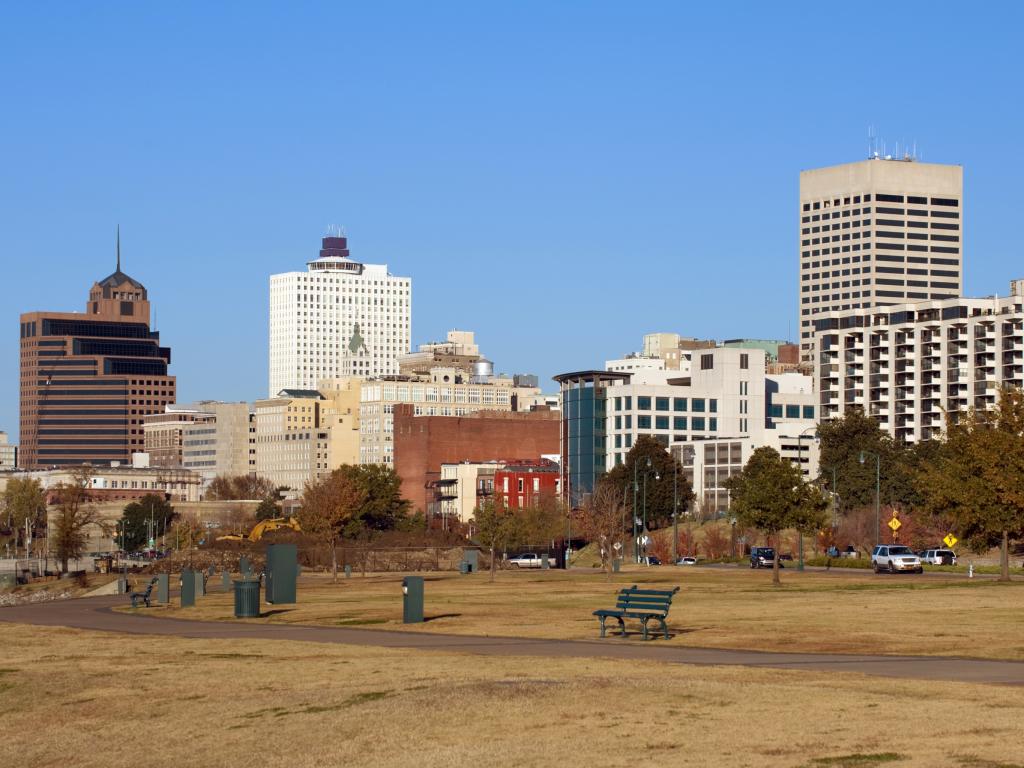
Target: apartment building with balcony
[{"x": 908, "y": 365}]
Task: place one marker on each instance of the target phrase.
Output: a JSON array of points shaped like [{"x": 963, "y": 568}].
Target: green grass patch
[
  {"x": 359, "y": 622},
  {"x": 858, "y": 760}
]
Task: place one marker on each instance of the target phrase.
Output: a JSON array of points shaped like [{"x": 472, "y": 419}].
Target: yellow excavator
[{"x": 263, "y": 527}]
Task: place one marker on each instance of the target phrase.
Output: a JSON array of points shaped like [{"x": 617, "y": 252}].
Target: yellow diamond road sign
[
  {"x": 950, "y": 540},
  {"x": 895, "y": 524}
]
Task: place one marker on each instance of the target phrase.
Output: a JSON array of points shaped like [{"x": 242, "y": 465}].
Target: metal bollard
[{"x": 412, "y": 600}]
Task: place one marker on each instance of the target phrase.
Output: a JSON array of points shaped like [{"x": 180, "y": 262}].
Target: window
[
  {"x": 629, "y": 402},
  {"x": 618, "y": 403},
  {"x": 679, "y": 404},
  {"x": 629, "y": 421},
  {"x": 775, "y": 411},
  {"x": 698, "y": 423},
  {"x": 661, "y": 422},
  {"x": 698, "y": 404},
  {"x": 661, "y": 404},
  {"x": 520, "y": 484},
  {"x": 713, "y": 424},
  {"x": 643, "y": 422},
  {"x": 809, "y": 412},
  {"x": 707, "y": 362},
  {"x": 744, "y": 360},
  {"x": 713, "y": 405},
  {"x": 679, "y": 422},
  {"x": 643, "y": 404},
  {"x": 793, "y": 411},
  {"x": 618, "y": 422}
]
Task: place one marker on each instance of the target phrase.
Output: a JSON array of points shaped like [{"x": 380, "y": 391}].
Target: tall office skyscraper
[
  {"x": 339, "y": 318},
  {"x": 87, "y": 380},
  {"x": 876, "y": 232}
]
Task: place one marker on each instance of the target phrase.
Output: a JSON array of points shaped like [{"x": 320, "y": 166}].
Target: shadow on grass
[
  {"x": 274, "y": 612},
  {"x": 442, "y": 616}
]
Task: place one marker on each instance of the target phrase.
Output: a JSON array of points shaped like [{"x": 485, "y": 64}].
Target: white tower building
[{"x": 339, "y": 318}]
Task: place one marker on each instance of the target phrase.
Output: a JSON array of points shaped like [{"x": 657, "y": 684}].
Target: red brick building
[
  {"x": 523, "y": 483},
  {"x": 424, "y": 443}
]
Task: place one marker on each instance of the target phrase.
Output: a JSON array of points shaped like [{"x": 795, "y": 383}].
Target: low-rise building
[
  {"x": 727, "y": 398},
  {"x": 8, "y": 454},
  {"x": 424, "y": 443}
]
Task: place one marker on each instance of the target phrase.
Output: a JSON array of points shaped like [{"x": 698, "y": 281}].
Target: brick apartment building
[
  {"x": 524, "y": 482},
  {"x": 424, "y": 443}
]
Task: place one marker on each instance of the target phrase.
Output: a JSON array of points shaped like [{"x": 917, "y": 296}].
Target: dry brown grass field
[
  {"x": 723, "y": 608},
  {"x": 74, "y": 698}
]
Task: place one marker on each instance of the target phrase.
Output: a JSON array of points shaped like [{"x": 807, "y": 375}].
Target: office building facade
[
  {"x": 88, "y": 380},
  {"x": 875, "y": 233},
  {"x": 910, "y": 364},
  {"x": 339, "y": 318}
]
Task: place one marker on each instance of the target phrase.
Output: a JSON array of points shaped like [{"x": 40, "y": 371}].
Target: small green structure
[
  {"x": 412, "y": 600},
  {"x": 188, "y": 588},
  {"x": 282, "y": 573},
  {"x": 163, "y": 588}
]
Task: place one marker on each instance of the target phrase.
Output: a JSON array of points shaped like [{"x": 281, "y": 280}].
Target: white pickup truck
[{"x": 529, "y": 560}]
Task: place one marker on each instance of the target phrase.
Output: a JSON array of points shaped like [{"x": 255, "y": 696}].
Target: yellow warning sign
[
  {"x": 895, "y": 524},
  {"x": 950, "y": 540}
]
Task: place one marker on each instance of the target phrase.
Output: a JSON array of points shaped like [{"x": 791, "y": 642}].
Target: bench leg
[
  {"x": 664, "y": 627},
  {"x": 601, "y": 619}
]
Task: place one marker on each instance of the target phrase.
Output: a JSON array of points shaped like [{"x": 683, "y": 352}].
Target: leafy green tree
[
  {"x": 382, "y": 506},
  {"x": 267, "y": 509},
  {"x": 843, "y": 441},
  {"x": 152, "y": 513},
  {"x": 977, "y": 478},
  {"x": 770, "y": 494},
  {"x": 666, "y": 482},
  {"x": 497, "y": 527},
  {"x": 23, "y": 500}
]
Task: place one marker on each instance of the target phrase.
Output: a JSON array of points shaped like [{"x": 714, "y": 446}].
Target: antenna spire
[{"x": 118, "y": 247}]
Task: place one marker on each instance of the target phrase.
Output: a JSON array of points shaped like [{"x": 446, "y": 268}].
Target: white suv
[
  {"x": 939, "y": 556},
  {"x": 895, "y": 557}
]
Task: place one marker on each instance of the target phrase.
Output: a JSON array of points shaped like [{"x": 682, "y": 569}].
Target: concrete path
[{"x": 95, "y": 614}]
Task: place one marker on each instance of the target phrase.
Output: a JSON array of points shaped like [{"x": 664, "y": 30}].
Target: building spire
[{"x": 118, "y": 247}]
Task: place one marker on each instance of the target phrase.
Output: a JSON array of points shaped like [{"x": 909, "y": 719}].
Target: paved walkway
[{"x": 95, "y": 613}]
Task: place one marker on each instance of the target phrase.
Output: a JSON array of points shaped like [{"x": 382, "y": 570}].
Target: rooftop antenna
[{"x": 118, "y": 247}]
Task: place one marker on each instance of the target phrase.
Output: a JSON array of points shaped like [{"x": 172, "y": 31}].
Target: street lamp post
[
  {"x": 636, "y": 488},
  {"x": 675, "y": 510},
  {"x": 878, "y": 474},
  {"x": 647, "y": 472},
  {"x": 835, "y": 499}
]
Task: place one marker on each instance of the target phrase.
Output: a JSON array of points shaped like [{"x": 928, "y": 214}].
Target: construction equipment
[{"x": 263, "y": 527}]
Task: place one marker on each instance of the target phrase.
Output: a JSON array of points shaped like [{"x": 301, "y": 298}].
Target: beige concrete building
[
  {"x": 878, "y": 232},
  {"x": 218, "y": 445},
  {"x": 8, "y": 453},
  {"x": 461, "y": 488},
  {"x": 458, "y": 351},
  {"x": 339, "y": 415},
  {"x": 163, "y": 433},
  {"x": 291, "y": 444},
  {"x": 121, "y": 482}
]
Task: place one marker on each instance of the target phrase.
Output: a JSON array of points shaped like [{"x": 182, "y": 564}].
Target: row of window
[
  {"x": 882, "y": 198},
  {"x": 643, "y": 403}
]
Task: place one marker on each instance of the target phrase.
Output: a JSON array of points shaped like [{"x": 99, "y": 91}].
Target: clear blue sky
[{"x": 559, "y": 177}]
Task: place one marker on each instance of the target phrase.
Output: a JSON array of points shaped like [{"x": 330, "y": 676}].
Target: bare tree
[
  {"x": 602, "y": 521},
  {"x": 74, "y": 514}
]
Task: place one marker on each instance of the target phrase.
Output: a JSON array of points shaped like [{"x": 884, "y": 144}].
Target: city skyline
[{"x": 624, "y": 163}]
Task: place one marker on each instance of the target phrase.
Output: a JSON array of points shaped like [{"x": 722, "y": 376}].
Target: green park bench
[
  {"x": 143, "y": 596},
  {"x": 641, "y": 604}
]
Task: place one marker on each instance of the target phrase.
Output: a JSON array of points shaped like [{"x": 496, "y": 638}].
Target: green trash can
[{"x": 247, "y": 598}]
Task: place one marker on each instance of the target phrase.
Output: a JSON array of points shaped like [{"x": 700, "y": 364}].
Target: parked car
[
  {"x": 686, "y": 561},
  {"x": 938, "y": 557},
  {"x": 893, "y": 558},
  {"x": 527, "y": 560},
  {"x": 762, "y": 557},
  {"x": 650, "y": 560},
  {"x": 787, "y": 556}
]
